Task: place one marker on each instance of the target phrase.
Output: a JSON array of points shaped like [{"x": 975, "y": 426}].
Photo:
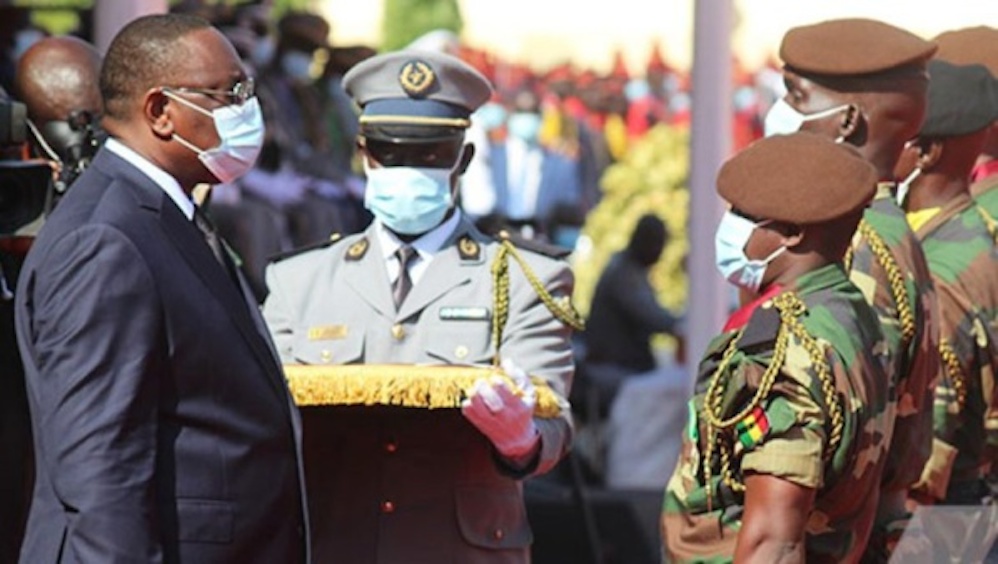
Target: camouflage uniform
[
  {"x": 964, "y": 264},
  {"x": 797, "y": 430},
  {"x": 908, "y": 313}
]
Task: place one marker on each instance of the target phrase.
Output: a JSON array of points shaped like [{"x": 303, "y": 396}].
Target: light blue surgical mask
[
  {"x": 408, "y": 200},
  {"x": 491, "y": 115},
  {"x": 297, "y": 65},
  {"x": 240, "y": 129},
  {"x": 525, "y": 126},
  {"x": 783, "y": 119},
  {"x": 732, "y": 235}
]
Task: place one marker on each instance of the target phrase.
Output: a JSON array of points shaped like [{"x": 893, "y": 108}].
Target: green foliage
[{"x": 406, "y": 20}]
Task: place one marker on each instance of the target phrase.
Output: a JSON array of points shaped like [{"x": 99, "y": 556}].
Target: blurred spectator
[
  {"x": 624, "y": 315},
  {"x": 537, "y": 189}
]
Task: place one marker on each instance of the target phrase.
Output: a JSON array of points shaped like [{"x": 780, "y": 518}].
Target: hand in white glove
[{"x": 502, "y": 416}]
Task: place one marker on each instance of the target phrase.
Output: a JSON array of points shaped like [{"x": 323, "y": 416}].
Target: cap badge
[{"x": 416, "y": 77}]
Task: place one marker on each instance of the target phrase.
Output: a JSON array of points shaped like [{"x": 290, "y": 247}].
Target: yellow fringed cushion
[{"x": 402, "y": 385}]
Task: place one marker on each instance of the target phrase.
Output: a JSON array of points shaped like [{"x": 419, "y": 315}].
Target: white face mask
[
  {"x": 297, "y": 65},
  {"x": 783, "y": 119},
  {"x": 408, "y": 200},
  {"x": 732, "y": 235},
  {"x": 905, "y": 186},
  {"x": 240, "y": 132}
]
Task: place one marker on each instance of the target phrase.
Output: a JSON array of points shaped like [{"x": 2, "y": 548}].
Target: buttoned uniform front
[{"x": 414, "y": 485}]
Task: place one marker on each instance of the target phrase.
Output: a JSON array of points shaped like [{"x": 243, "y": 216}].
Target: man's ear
[
  {"x": 929, "y": 153},
  {"x": 466, "y": 156},
  {"x": 850, "y": 121},
  {"x": 792, "y": 235},
  {"x": 156, "y": 111}
]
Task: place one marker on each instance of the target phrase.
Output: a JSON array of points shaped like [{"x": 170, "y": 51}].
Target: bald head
[{"x": 57, "y": 76}]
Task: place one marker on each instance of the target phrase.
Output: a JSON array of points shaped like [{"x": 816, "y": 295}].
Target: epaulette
[
  {"x": 761, "y": 328},
  {"x": 539, "y": 247},
  {"x": 333, "y": 239}
]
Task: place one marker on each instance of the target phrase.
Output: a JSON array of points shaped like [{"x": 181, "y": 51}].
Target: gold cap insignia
[
  {"x": 357, "y": 250},
  {"x": 468, "y": 248},
  {"x": 416, "y": 78}
]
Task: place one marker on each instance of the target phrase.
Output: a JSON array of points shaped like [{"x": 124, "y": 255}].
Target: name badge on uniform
[
  {"x": 327, "y": 333},
  {"x": 467, "y": 313}
]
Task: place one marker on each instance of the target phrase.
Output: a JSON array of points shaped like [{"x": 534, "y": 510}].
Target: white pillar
[
  {"x": 112, "y": 15},
  {"x": 710, "y": 146}
]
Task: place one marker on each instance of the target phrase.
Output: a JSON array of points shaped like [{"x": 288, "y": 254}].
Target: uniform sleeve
[
  {"x": 540, "y": 344},
  {"x": 92, "y": 324},
  {"x": 793, "y": 442},
  {"x": 278, "y": 315}
]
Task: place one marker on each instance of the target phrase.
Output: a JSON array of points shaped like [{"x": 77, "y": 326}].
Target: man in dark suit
[{"x": 163, "y": 427}]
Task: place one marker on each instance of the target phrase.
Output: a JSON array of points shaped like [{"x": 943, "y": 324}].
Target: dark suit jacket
[
  {"x": 560, "y": 184},
  {"x": 163, "y": 425}
]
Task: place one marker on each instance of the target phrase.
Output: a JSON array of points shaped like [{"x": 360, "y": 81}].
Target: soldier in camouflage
[
  {"x": 969, "y": 46},
  {"x": 791, "y": 416},
  {"x": 959, "y": 244},
  {"x": 864, "y": 83}
]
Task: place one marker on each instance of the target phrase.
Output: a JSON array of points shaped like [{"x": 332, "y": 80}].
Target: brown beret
[
  {"x": 969, "y": 46},
  {"x": 850, "y": 47},
  {"x": 802, "y": 178}
]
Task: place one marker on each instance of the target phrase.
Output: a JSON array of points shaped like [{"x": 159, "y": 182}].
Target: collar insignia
[
  {"x": 468, "y": 248},
  {"x": 357, "y": 250}
]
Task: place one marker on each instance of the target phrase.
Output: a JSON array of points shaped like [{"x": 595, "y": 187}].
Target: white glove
[{"x": 502, "y": 416}]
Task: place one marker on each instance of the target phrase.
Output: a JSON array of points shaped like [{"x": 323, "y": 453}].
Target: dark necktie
[
  {"x": 403, "y": 283},
  {"x": 211, "y": 237}
]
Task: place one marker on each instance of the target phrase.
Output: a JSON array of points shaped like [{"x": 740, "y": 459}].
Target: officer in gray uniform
[{"x": 422, "y": 286}]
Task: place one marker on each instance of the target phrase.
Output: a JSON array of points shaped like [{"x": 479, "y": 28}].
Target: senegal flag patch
[{"x": 753, "y": 428}]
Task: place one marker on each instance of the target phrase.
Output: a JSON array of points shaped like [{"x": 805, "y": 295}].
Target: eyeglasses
[{"x": 238, "y": 95}]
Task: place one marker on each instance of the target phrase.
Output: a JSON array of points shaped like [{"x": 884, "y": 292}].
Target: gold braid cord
[
  {"x": 418, "y": 386},
  {"x": 719, "y": 429},
  {"x": 954, "y": 371},
  {"x": 989, "y": 222},
  {"x": 500, "y": 278},
  {"x": 894, "y": 276}
]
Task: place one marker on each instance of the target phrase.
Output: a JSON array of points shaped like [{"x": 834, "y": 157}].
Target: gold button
[
  {"x": 391, "y": 447},
  {"x": 498, "y": 534},
  {"x": 461, "y": 351},
  {"x": 398, "y": 332},
  {"x": 387, "y": 507},
  {"x": 326, "y": 355}
]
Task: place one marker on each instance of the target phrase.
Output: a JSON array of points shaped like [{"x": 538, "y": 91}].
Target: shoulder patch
[
  {"x": 538, "y": 247},
  {"x": 762, "y": 327},
  {"x": 358, "y": 249},
  {"x": 333, "y": 239}
]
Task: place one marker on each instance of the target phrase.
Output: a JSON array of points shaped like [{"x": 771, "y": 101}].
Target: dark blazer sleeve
[
  {"x": 96, "y": 317},
  {"x": 636, "y": 298}
]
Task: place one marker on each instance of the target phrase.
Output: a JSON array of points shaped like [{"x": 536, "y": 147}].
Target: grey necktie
[{"x": 403, "y": 283}]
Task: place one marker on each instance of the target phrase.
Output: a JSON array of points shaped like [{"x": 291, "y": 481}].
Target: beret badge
[{"x": 416, "y": 78}]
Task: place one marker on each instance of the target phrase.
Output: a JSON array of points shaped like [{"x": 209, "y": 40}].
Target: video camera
[{"x": 24, "y": 184}]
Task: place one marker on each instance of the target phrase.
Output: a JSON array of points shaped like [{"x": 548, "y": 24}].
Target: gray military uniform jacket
[{"x": 404, "y": 484}]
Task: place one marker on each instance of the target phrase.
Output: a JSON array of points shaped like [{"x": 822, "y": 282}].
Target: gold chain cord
[
  {"x": 954, "y": 371},
  {"x": 894, "y": 276},
  {"x": 500, "y": 288},
  {"x": 790, "y": 308},
  {"x": 989, "y": 222}
]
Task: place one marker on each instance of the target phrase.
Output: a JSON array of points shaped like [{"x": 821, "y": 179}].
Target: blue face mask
[
  {"x": 732, "y": 235},
  {"x": 525, "y": 126},
  {"x": 491, "y": 115},
  {"x": 408, "y": 200},
  {"x": 783, "y": 119},
  {"x": 297, "y": 65}
]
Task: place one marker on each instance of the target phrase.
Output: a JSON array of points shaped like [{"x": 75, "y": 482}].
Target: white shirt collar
[
  {"x": 427, "y": 246},
  {"x": 162, "y": 178}
]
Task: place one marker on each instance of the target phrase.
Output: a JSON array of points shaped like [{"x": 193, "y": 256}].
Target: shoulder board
[
  {"x": 538, "y": 247},
  {"x": 762, "y": 327},
  {"x": 333, "y": 239}
]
